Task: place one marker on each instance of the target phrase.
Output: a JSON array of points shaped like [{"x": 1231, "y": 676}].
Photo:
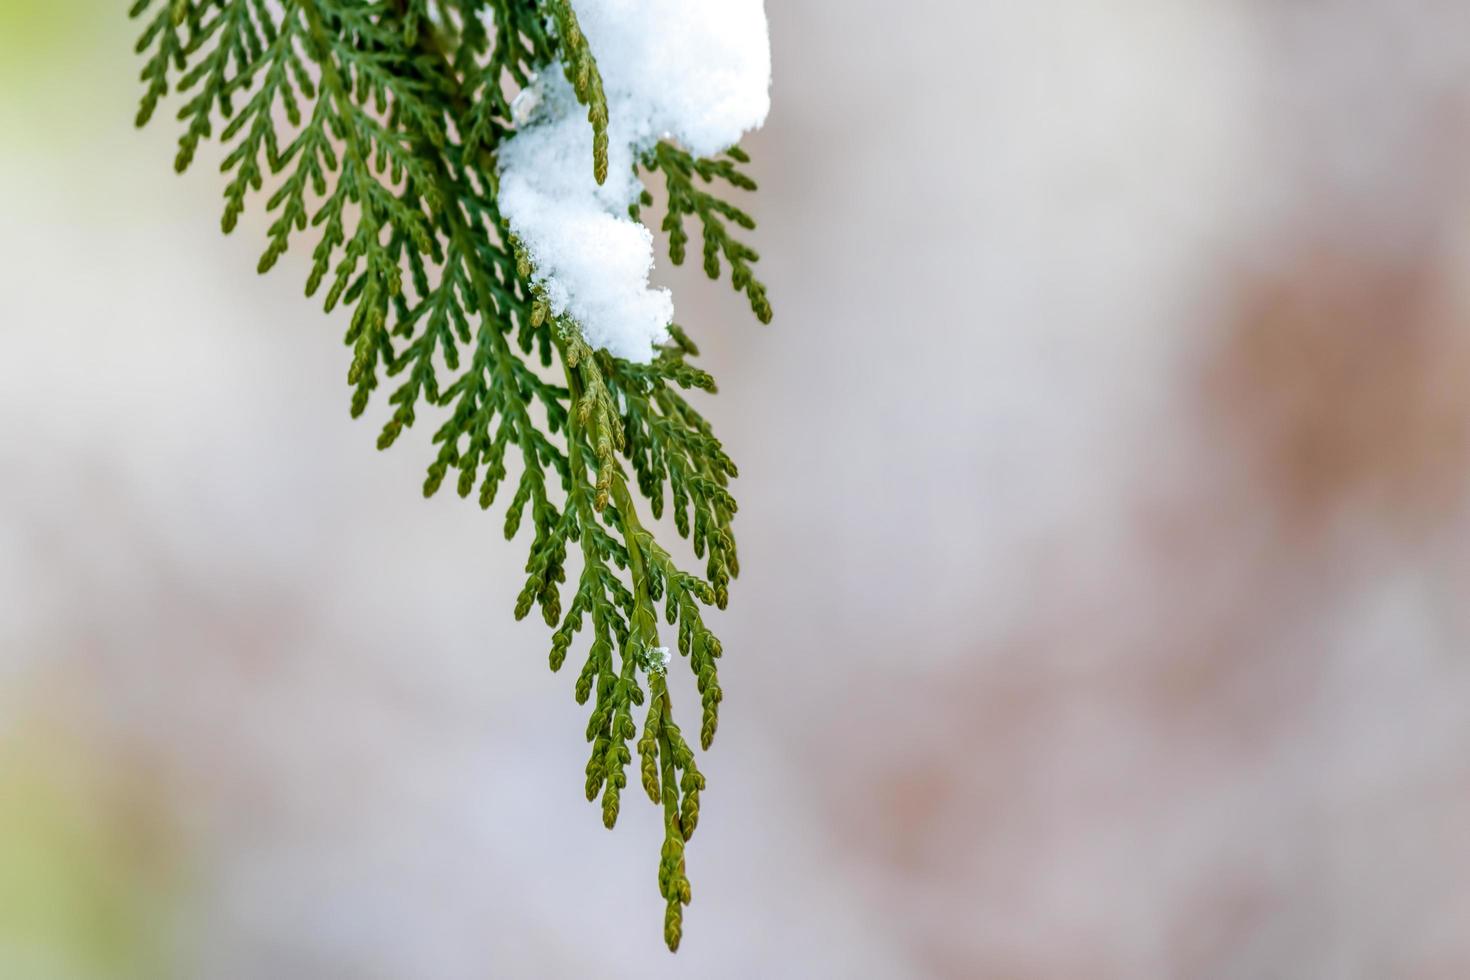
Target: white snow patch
[{"x": 696, "y": 71}]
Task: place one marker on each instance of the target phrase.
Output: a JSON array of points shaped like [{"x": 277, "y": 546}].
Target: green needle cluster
[{"x": 372, "y": 126}]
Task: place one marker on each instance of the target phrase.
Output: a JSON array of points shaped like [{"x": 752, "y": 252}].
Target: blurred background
[{"x": 1105, "y": 519}]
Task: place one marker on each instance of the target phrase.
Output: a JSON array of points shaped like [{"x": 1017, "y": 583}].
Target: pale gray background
[{"x": 1104, "y": 527}]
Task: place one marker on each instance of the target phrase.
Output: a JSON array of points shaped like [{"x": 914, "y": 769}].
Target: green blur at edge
[
  {"x": 87, "y": 886},
  {"x": 51, "y": 35}
]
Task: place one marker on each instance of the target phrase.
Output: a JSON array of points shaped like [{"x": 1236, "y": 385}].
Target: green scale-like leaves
[{"x": 377, "y": 124}]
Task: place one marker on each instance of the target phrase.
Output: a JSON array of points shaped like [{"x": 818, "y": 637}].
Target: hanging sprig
[
  {"x": 581, "y": 71},
  {"x": 377, "y": 123},
  {"x": 688, "y": 198}
]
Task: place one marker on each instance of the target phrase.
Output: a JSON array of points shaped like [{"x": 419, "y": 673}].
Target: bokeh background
[{"x": 1105, "y": 513}]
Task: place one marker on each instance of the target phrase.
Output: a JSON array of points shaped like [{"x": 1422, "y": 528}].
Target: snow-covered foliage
[
  {"x": 470, "y": 169},
  {"x": 694, "y": 71}
]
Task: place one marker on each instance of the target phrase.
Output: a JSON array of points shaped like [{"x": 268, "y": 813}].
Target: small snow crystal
[{"x": 697, "y": 71}]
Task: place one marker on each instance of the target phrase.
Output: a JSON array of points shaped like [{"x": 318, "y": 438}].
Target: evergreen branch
[
  {"x": 581, "y": 71},
  {"x": 687, "y": 198},
  {"x": 662, "y": 749},
  {"x": 377, "y": 122}
]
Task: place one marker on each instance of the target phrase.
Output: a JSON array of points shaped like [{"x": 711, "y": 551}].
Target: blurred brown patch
[{"x": 1344, "y": 382}]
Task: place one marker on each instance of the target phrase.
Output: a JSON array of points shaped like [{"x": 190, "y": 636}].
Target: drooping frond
[{"x": 377, "y": 123}]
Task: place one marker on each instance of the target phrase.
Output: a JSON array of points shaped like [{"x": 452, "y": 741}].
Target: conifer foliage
[{"x": 370, "y": 128}]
